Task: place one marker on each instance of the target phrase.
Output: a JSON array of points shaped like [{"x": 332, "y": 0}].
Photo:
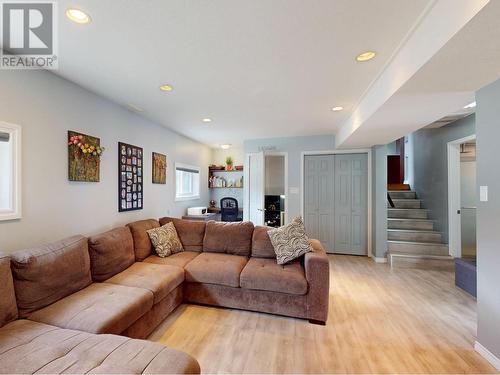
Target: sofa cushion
[
  {"x": 290, "y": 241},
  {"x": 99, "y": 308},
  {"x": 191, "y": 233},
  {"x": 165, "y": 240},
  {"x": 8, "y": 307},
  {"x": 216, "y": 268},
  {"x": 229, "y": 238},
  {"x": 28, "y": 347},
  {"x": 142, "y": 244},
  {"x": 45, "y": 274},
  {"x": 159, "y": 279},
  {"x": 261, "y": 243},
  {"x": 111, "y": 252},
  {"x": 265, "y": 274},
  {"x": 178, "y": 260}
]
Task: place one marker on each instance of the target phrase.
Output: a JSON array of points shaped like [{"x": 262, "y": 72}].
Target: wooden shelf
[
  {"x": 212, "y": 172},
  {"x": 223, "y": 171}
]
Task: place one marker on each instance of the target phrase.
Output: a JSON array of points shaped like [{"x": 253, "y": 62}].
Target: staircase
[{"x": 411, "y": 238}]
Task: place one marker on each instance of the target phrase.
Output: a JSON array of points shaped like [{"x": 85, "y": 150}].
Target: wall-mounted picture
[
  {"x": 84, "y": 157},
  {"x": 129, "y": 177},
  {"x": 159, "y": 168}
]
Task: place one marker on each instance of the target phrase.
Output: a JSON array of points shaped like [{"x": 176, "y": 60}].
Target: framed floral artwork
[
  {"x": 84, "y": 157},
  {"x": 159, "y": 168},
  {"x": 130, "y": 177}
]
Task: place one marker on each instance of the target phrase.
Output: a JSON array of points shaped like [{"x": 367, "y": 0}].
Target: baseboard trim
[
  {"x": 380, "y": 259},
  {"x": 486, "y": 354}
]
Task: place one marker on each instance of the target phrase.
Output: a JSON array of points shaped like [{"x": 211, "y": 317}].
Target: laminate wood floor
[{"x": 380, "y": 321}]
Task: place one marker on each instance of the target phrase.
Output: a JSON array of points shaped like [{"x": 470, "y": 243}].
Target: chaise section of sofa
[
  {"x": 27, "y": 346},
  {"x": 164, "y": 280}
]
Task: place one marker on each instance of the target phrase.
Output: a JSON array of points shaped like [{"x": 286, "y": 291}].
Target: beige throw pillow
[
  {"x": 290, "y": 241},
  {"x": 165, "y": 240}
]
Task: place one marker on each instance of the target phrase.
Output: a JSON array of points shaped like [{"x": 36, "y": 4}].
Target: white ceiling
[
  {"x": 443, "y": 85},
  {"x": 259, "y": 68}
]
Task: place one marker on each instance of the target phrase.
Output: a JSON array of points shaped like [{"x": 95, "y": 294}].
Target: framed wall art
[
  {"x": 84, "y": 157},
  {"x": 159, "y": 168},
  {"x": 130, "y": 177}
]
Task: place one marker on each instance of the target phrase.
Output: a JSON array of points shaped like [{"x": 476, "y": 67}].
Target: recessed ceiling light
[
  {"x": 365, "y": 56},
  {"x": 225, "y": 147},
  {"x": 470, "y": 105},
  {"x": 206, "y": 120},
  {"x": 337, "y": 109},
  {"x": 166, "y": 88},
  {"x": 78, "y": 16}
]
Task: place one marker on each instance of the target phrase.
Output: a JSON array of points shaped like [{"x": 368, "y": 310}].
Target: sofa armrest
[{"x": 317, "y": 269}]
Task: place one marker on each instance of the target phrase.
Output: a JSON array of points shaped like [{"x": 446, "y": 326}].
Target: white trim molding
[
  {"x": 14, "y": 211},
  {"x": 367, "y": 151},
  {"x": 486, "y": 354},
  {"x": 379, "y": 259}
]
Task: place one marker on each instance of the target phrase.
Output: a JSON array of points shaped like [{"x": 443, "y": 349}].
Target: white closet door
[
  {"x": 318, "y": 198},
  {"x": 351, "y": 190}
]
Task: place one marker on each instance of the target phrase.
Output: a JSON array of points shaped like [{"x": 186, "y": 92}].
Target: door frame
[
  {"x": 246, "y": 181},
  {"x": 454, "y": 202},
  {"x": 246, "y": 184},
  {"x": 285, "y": 155},
  {"x": 369, "y": 185}
]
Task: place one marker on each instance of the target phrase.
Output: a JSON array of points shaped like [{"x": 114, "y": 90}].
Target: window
[
  {"x": 187, "y": 182},
  {"x": 10, "y": 171}
]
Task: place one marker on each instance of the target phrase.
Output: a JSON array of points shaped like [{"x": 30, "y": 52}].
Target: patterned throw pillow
[
  {"x": 290, "y": 241},
  {"x": 165, "y": 240}
]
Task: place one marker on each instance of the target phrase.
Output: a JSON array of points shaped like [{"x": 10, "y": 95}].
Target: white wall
[
  {"x": 46, "y": 107},
  {"x": 236, "y": 152}
]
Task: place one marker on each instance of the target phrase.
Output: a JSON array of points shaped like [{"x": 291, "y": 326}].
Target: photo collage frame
[{"x": 130, "y": 177}]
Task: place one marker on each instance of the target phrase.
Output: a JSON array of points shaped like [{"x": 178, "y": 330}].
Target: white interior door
[{"x": 255, "y": 188}]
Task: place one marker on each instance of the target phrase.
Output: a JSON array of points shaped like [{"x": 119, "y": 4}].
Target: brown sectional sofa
[
  {"x": 234, "y": 265},
  {"x": 75, "y": 296},
  {"x": 28, "y": 346}
]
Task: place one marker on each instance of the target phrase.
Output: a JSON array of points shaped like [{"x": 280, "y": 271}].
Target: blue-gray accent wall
[
  {"x": 294, "y": 146},
  {"x": 488, "y": 233},
  {"x": 430, "y": 167},
  {"x": 379, "y": 198}
]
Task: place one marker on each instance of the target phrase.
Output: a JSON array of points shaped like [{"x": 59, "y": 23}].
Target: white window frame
[
  {"x": 14, "y": 211},
  {"x": 191, "y": 197}
]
